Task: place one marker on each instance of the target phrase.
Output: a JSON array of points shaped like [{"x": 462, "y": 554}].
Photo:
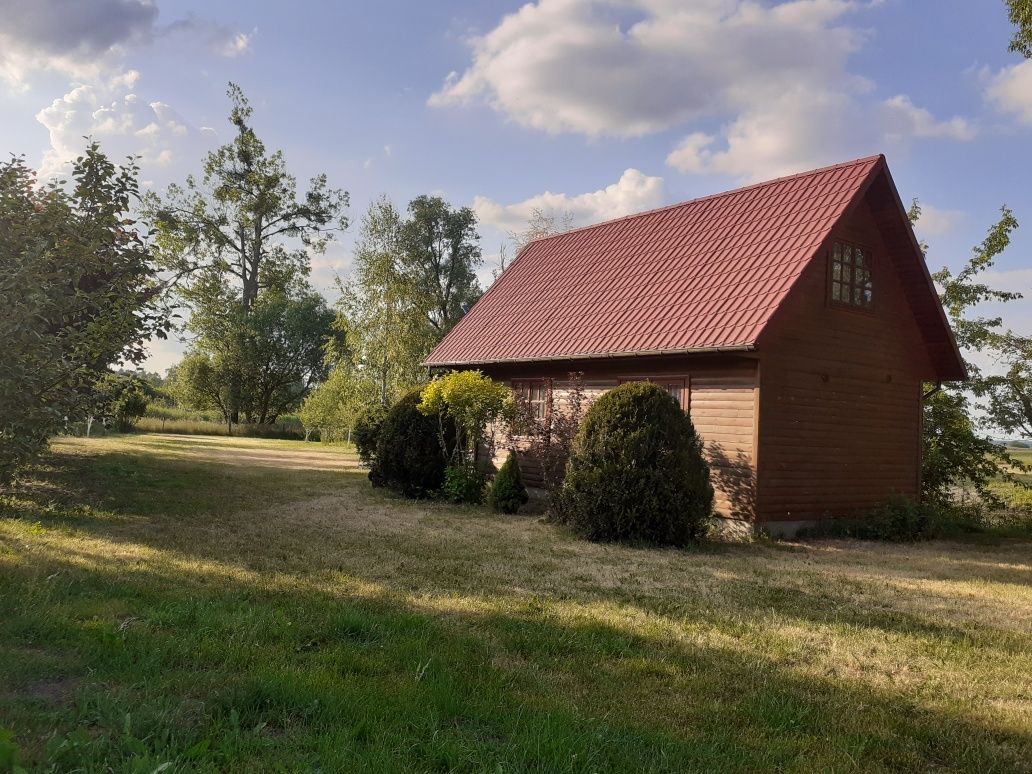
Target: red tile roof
[{"x": 706, "y": 274}]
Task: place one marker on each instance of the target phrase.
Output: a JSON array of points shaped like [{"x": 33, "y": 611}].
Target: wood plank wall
[
  {"x": 840, "y": 405},
  {"x": 722, "y": 401}
]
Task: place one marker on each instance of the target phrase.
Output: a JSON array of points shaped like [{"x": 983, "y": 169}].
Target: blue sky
[{"x": 596, "y": 107}]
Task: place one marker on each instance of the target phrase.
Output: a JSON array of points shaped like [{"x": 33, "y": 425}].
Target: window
[
  {"x": 675, "y": 386},
  {"x": 535, "y": 392},
  {"x": 851, "y": 276}
]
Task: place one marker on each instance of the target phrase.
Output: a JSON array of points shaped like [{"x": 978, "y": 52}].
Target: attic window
[{"x": 851, "y": 276}]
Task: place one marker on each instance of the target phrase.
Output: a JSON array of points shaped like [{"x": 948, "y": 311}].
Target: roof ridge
[{"x": 740, "y": 189}]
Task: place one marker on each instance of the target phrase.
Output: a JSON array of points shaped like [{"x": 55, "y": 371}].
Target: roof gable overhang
[{"x": 892, "y": 220}]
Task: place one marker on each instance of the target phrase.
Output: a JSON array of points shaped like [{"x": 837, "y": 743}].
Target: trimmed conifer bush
[
  {"x": 366, "y": 431},
  {"x": 507, "y": 491},
  {"x": 408, "y": 456},
  {"x": 637, "y": 472}
]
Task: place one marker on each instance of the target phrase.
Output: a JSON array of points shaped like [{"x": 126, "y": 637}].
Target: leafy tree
[
  {"x": 334, "y": 406},
  {"x": 441, "y": 253},
  {"x": 1007, "y": 397},
  {"x": 471, "y": 400},
  {"x": 203, "y": 382},
  {"x": 242, "y": 223},
  {"x": 78, "y": 293},
  {"x": 954, "y": 452},
  {"x": 1020, "y": 13},
  {"x": 963, "y": 291},
  {"x": 386, "y": 334},
  {"x": 284, "y": 352},
  {"x": 238, "y": 244},
  {"x": 122, "y": 398}
]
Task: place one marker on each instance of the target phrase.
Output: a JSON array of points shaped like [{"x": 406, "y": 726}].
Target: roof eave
[{"x": 727, "y": 349}]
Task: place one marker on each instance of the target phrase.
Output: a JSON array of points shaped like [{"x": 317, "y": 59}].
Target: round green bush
[
  {"x": 408, "y": 456},
  {"x": 637, "y": 472},
  {"x": 462, "y": 485},
  {"x": 507, "y": 492},
  {"x": 366, "y": 431}
]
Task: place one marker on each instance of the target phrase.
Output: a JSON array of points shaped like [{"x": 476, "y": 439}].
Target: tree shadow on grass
[
  {"x": 213, "y": 495},
  {"x": 205, "y": 671}
]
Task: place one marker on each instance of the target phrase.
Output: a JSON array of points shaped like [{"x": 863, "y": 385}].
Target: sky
[{"x": 597, "y": 108}]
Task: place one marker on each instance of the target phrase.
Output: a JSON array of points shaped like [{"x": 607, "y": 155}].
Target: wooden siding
[
  {"x": 722, "y": 399},
  {"x": 840, "y": 407},
  {"x": 723, "y": 410}
]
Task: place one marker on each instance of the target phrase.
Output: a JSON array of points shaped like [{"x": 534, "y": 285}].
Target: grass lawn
[{"x": 192, "y": 603}]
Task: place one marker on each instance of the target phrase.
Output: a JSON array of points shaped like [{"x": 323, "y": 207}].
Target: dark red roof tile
[{"x": 704, "y": 274}]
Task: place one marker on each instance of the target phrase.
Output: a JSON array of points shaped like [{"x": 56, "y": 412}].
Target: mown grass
[{"x": 235, "y": 604}]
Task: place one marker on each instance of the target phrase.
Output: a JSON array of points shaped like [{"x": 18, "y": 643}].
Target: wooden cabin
[{"x": 795, "y": 320}]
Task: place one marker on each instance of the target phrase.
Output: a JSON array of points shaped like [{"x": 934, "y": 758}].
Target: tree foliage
[
  {"x": 120, "y": 398},
  {"x": 203, "y": 382},
  {"x": 955, "y": 453},
  {"x": 471, "y": 400},
  {"x": 243, "y": 225},
  {"x": 1020, "y": 14},
  {"x": 637, "y": 471},
  {"x": 441, "y": 253},
  {"x": 238, "y": 245},
  {"x": 78, "y": 293},
  {"x": 385, "y": 332},
  {"x": 1007, "y": 397},
  {"x": 334, "y": 406}
]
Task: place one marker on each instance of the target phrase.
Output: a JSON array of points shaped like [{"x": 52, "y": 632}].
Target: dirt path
[{"x": 252, "y": 452}]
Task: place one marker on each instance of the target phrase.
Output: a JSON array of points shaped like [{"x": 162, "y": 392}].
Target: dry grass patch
[{"x": 286, "y": 615}]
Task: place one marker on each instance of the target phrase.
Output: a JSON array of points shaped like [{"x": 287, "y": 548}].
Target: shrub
[
  {"x": 408, "y": 454},
  {"x": 507, "y": 492},
  {"x": 464, "y": 485},
  {"x": 900, "y": 520},
  {"x": 637, "y": 471},
  {"x": 472, "y": 401},
  {"x": 366, "y": 431}
]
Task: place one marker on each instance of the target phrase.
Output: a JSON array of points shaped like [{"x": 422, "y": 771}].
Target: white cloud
[
  {"x": 776, "y": 74},
  {"x": 110, "y": 112},
  {"x": 1010, "y": 91},
  {"x": 79, "y": 38},
  {"x": 633, "y": 192},
  {"x": 936, "y": 222},
  {"x": 86, "y": 39},
  {"x": 235, "y": 44},
  {"x": 631, "y": 67},
  {"x": 902, "y": 119},
  {"x": 801, "y": 128}
]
